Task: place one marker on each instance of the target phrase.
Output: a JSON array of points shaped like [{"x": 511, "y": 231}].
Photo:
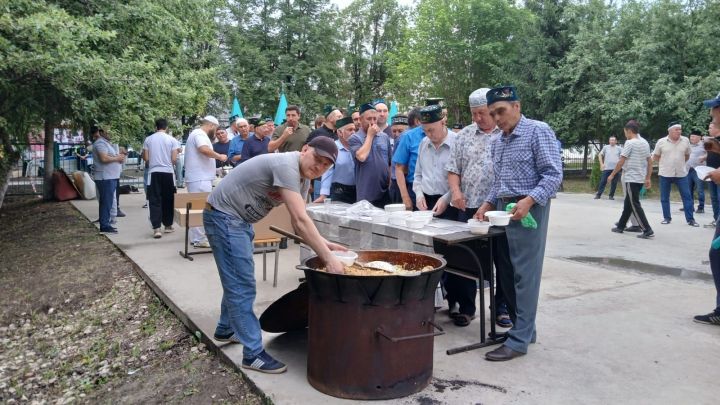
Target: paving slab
[{"x": 607, "y": 333}]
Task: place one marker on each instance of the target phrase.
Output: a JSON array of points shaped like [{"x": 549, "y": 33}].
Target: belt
[{"x": 508, "y": 200}]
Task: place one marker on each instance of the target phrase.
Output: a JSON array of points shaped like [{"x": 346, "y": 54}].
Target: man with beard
[{"x": 200, "y": 167}]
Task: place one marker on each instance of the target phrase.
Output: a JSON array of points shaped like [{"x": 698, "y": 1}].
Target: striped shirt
[
  {"x": 526, "y": 162},
  {"x": 636, "y": 152}
]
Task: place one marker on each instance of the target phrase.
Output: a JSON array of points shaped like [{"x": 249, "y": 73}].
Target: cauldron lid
[{"x": 288, "y": 313}]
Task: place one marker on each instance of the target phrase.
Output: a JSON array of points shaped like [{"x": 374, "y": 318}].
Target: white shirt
[
  {"x": 198, "y": 167},
  {"x": 160, "y": 146}
]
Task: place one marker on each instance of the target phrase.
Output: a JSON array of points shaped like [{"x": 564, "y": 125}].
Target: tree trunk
[
  {"x": 49, "y": 161},
  {"x": 585, "y": 160}
]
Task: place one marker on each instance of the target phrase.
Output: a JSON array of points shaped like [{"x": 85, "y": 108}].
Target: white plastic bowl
[
  {"x": 478, "y": 227},
  {"x": 415, "y": 223},
  {"x": 498, "y": 218},
  {"x": 398, "y": 218},
  {"x": 394, "y": 207},
  {"x": 380, "y": 217},
  {"x": 347, "y": 258},
  {"x": 426, "y": 216}
]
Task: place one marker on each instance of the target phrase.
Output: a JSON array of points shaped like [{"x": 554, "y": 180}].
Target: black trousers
[
  {"x": 343, "y": 193},
  {"x": 461, "y": 290},
  {"x": 450, "y": 213},
  {"x": 161, "y": 199},
  {"x": 633, "y": 207}
]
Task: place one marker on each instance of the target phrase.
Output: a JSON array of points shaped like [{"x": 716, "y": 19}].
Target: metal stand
[{"x": 187, "y": 254}]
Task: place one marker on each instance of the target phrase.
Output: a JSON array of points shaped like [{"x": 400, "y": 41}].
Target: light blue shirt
[
  {"x": 236, "y": 147},
  {"x": 343, "y": 171},
  {"x": 406, "y": 151}
]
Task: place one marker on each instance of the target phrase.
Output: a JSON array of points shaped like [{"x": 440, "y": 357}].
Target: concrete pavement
[{"x": 613, "y": 332}]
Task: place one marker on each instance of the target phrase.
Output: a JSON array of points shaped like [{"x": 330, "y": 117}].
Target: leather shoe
[{"x": 502, "y": 353}]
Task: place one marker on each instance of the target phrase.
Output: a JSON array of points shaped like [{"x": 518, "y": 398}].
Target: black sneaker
[
  {"x": 108, "y": 230},
  {"x": 611, "y": 198},
  {"x": 265, "y": 363},
  {"x": 713, "y": 318},
  {"x": 633, "y": 228},
  {"x": 710, "y": 225},
  {"x": 597, "y": 197},
  {"x": 693, "y": 223},
  {"x": 229, "y": 338},
  {"x": 646, "y": 235},
  {"x": 700, "y": 211},
  {"x": 120, "y": 214},
  {"x": 617, "y": 230}
]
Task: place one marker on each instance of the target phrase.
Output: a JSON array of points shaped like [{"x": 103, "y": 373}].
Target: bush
[{"x": 596, "y": 173}]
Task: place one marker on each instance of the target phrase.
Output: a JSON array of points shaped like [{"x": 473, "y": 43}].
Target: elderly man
[
  {"x": 236, "y": 144},
  {"x": 234, "y": 129},
  {"x": 672, "y": 152},
  {"x": 338, "y": 183},
  {"x": 470, "y": 177},
  {"x": 257, "y": 142},
  {"x": 430, "y": 184},
  {"x": 244, "y": 197},
  {"x": 200, "y": 167},
  {"x": 160, "y": 151},
  {"x": 713, "y": 318},
  {"x": 698, "y": 155},
  {"x": 608, "y": 156},
  {"x": 107, "y": 169},
  {"x": 527, "y": 172},
  {"x": 292, "y": 135},
  {"x": 370, "y": 148}
]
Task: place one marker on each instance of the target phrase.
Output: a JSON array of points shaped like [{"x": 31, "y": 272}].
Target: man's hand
[
  {"x": 485, "y": 207},
  {"x": 236, "y": 158},
  {"x": 320, "y": 199},
  {"x": 373, "y": 130},
  {"x": 222, "y": 158},
  {"x": 714, "y": 176},
  {"x": 648, "y": 184},
  {"x": 522, "y": 208},
  {"x": 458, "y": 200},
  {"x": 408, "y": 203},
  {"x": 611, "y": 177},
  {"x": 421, "y": 204},
  {"x": 334, "y": 265},
  {"x": 336, "y": 246},
  {"x": 288, "y": 132},
  {"x": 440, "y": 207}
]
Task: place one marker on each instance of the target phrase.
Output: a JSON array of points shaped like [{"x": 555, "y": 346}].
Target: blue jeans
[
  {"x": 106, "y": 195},
  {"x": 603, "y": 182},
  {"x": 714, "y": 200},
  {"x": 231, "y": 240},
  {"x": 683, "y": 186},
  {"x": 696, "y": 183},
  {"x": 715, "y": 268}
]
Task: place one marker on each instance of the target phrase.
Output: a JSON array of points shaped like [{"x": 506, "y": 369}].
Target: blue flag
[
  {"x": 236, "y": 110},
  {"x": 393, "y": 112},
  {"x": 280, "y": 114}
]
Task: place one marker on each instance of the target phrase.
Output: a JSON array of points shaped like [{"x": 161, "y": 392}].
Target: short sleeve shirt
[
  {"x": 636, "y": 152},
  {"x": 672, "y": 157},
  {"x": 160, "y": 147},
  {"x": 296, "y": 141},
  {"x": 105, "y": 171},
  {"x": 253, "y": 189},
  {"x": 407, "y": 149},
  {"x": 198, "y": 167},
  {"x": 471, "y": 159},
  {"x": 611, "y": 156},
  {"x": 372, "y": 175}
]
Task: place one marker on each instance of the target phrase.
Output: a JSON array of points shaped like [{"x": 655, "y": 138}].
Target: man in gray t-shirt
[
  {"x": 608, "y": 156},
  {"x": 243, "y": 197}
]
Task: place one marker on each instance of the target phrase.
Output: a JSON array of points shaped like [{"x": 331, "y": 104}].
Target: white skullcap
[{"x": 477, "y": 97}]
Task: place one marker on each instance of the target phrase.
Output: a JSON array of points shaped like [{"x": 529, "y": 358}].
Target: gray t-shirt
[
  {"x": 160, "y": 146},
  {"x": 105, "y": 171},
  {"x": 636, "y": 152},
  {"x": 611, "y": 155},
  {"x": 251, "y": 190}
]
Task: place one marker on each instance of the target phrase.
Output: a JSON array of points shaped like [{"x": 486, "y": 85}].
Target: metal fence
[{"x": 26, "y": 177}]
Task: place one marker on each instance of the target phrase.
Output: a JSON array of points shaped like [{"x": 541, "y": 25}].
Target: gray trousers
[{"x": 521, "y": 285}]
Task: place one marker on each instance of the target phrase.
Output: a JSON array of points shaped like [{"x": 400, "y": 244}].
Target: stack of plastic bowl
[
  {"x": 398, "y": 218},
  {"x": 394, "y": 208},
  {"x": 426, "y": 216}
]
